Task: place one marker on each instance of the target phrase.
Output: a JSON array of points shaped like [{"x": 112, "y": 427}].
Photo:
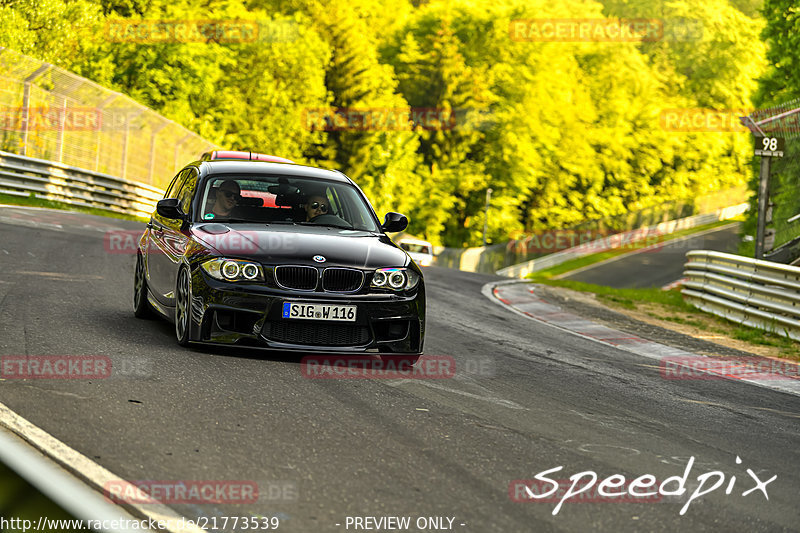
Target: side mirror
[
  {"x": 170, "y": 208},
  {"x": 394, "y": 222}
]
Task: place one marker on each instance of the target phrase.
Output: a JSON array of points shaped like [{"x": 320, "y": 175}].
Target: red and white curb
[
  {"x": 675, "y": 284},
  {"x": 520, "y": 297}
]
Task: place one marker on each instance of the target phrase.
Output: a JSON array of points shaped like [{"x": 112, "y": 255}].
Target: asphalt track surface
[
  {"x": 657, "y": 266},
  {"x": 525, "y": 398}
]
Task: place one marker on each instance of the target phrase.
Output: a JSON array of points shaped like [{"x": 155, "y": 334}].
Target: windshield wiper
[
  {"x": 230, "y": 219},
  {"x": 326, "y": 225}
]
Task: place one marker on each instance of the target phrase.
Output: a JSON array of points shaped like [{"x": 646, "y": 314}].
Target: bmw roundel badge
[{"x": 319, "y": 258}]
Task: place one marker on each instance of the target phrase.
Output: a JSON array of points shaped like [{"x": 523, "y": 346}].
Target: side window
[{"x": 186, "y": 192}]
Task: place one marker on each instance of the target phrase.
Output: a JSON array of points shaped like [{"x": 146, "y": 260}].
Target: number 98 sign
[{"x": 769, "y": 146}]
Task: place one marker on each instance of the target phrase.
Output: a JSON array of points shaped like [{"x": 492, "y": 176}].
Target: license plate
[{"x": 339, "y": 313}]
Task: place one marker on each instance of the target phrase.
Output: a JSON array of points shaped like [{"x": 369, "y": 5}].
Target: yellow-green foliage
[{"x": 562, "y": 132}]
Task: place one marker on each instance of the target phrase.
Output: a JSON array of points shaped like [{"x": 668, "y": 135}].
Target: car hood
[{"x": 300, "y": 244}]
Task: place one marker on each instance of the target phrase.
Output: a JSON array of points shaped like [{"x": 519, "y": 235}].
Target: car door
[{"x": 168, "y": 241}]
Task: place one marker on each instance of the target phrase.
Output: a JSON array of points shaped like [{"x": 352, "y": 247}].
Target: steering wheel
[{"x": 327, "y": 218}]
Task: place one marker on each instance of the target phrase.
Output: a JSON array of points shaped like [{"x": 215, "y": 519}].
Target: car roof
[
  {"x": 263, "y": 167},
  {"x": 217, "y": 155}
]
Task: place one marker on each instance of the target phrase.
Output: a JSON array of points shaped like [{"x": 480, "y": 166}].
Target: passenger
[{"x": 315, "y": 206}]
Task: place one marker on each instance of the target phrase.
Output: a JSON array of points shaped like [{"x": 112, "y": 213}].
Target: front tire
[
  {"x": 141, "y": 307},
  {"x": 183, "y": 309}
]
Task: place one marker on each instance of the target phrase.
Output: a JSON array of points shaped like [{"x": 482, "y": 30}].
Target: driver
[
  {"x": 315, "y": 206},
  {"x": 228, "y": 196}
]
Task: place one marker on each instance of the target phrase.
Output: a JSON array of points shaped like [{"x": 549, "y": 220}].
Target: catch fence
[{"x": 49, "y": 113}]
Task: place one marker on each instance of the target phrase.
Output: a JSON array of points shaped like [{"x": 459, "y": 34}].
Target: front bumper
[{"x": 251, "y": 314}]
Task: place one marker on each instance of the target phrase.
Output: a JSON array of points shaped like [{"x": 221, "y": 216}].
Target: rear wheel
[
  {"x": 183, "y": 309},
  {"x": 141, "y": 307}
]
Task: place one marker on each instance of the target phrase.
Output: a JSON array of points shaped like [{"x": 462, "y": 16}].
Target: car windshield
[
  {"x": 415, "y": 248},
  {"x": 284, "y": 200}
]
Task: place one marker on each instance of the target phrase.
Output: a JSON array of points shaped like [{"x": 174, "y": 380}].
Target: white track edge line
[{"x": 87, "y": 470}]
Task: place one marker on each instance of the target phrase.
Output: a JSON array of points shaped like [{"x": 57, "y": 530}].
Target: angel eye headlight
[
  {"x": 250, "y": 271},
  {"x": 230, "y": 269},
  {"x": 397, "y": 279},
  {"x": 379, "y": 279},
  {"x": 233, "y": 270}
]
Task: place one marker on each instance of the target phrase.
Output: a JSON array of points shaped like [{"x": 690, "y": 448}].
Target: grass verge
[
  {"x": 669, "y": 306},
  {"x": 31, "y": 201},
  {"x": 666, "y": 306}
]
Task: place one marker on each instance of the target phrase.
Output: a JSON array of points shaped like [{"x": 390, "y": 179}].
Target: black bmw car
[{"x": 281, "y": 256}]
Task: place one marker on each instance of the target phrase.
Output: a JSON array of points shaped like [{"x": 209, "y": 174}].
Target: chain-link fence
[
  {"x": 49, "y": 113},
  {"x": 782, "y": 242}
]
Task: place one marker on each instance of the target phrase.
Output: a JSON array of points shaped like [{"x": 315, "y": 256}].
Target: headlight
[
  {"x": 233, "y": 270},
  {"x": 398, "y": 279}
]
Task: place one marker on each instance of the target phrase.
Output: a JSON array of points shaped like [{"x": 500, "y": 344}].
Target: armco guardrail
[
  {"x": 755, "y": 293},
  {"x": 23, "y": 176}
]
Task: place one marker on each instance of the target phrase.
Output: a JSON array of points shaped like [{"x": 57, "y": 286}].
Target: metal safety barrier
[
  {"x": 760, "y": 294},
  {"x": 27, "y": 176}
]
